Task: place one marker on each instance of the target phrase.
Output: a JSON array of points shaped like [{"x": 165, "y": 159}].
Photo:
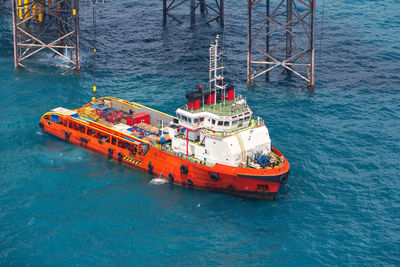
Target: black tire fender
[
  {"x": 283, "y": 179},
  {"x": 120, "y": 156},
  {"x": 67, "y": 135},
  {"x": 190, "y": 182},
  {"x": 110, "y": 153},
  {"x": 150, "y": 167},
  {"x": 184, "y": 169},
  {"x": 171, "y": 177},
  {"x": 214, "y": 176}
]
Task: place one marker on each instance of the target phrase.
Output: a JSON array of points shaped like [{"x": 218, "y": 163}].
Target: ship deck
[
  {"x": 220, "y": 108},
  {"x": 156, "y": 118}
]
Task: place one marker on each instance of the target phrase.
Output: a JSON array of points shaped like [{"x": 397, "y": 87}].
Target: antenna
[{"x": 213, "y": 74}]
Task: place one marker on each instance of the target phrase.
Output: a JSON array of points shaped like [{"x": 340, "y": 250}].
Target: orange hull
[{"x": 258, "y": 183}]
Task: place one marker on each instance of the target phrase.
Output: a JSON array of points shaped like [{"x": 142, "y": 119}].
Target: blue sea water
[{"x": 61, "y": 205}]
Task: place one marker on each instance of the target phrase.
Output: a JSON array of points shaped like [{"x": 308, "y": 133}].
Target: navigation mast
[{"x": 216, "y": 77}]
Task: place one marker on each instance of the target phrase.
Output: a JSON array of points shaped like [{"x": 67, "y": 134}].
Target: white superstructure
[{"x": 216, "y": 126}]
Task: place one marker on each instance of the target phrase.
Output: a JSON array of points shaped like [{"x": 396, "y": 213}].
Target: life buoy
[
  {"x": 110, "y": 153},
  {"x": 214, "y": 176},
  {"x": 184, "y": 169},
  {"x": 283, "y": 179},
  {"x": 190, "y": 182},
  {"x": 41, "y": 125},
  {"x": 150, "y": 167},
  {"x": 120, "y": 155},
  {"x": 171, "y": 177}
]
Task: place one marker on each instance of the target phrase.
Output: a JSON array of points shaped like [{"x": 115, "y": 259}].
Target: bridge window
[
  {"x": 213, "y": 121},
  {"x": 113, "y": 141},
  {"x": 226, "y": 123},
  {"x": 220, "y": 123},
  {"x": 201, "y": 119},
  {"x": 196, "y": 120},
  {"x": 189, "y": 120},
  {"x": 82, "y": 129},
  {"x": 184, "y": 118}
]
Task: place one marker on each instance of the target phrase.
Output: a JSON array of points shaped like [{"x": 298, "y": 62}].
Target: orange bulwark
[{"x": 158, "y": 159}]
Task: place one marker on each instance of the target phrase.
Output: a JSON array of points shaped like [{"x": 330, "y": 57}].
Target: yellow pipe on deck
[
  {"x": 34, "y": 10},
  {"x": 20, "y": 9},
  {"x": 27, "y": 6},
  {"x": 41, "y": 12}
]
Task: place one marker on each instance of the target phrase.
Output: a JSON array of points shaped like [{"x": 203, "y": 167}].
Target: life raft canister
[
  {"x": 41, "y": 125},
  {"x": 171, "y": 177},
  {"x": 214, "y": 176},
  {"x": 150, "y": 167},
  {"x": 184, "y": 169}
]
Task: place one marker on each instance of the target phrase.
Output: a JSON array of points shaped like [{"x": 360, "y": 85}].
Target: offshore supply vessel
[{"x": 214, "y": 142}]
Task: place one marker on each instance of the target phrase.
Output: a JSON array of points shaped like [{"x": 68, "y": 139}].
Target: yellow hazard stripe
[{"x": 131, "y": 160}]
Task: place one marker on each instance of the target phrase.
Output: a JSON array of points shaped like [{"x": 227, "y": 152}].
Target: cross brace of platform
[
  {"x": 217, "y": 9},
  {"x": 281, "y": 34},
  {"x": 46, "y": 25}
]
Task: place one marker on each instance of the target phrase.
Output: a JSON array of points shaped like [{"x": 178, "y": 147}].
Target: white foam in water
[
  {"x": 39, "y": 133},
  {"x": 157, "y": 181}
]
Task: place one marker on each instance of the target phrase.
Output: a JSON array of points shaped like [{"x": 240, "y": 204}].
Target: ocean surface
[{"x": 61, "y": 205}]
